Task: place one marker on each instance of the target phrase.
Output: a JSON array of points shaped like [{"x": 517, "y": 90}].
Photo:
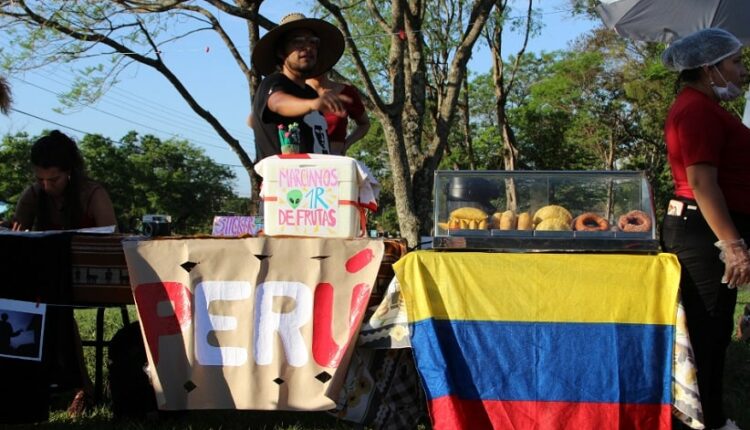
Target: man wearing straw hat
[{"x": 287, "y": 112}]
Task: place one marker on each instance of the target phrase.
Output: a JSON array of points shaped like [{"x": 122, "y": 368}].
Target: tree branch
[
  {"x": 477, "y": 19},
  {"x": 216, "y": 26},
  {"x": 364, "y": 75},
  {"x": 378, "y": 17},
  {"x": 156, "y": 64}
]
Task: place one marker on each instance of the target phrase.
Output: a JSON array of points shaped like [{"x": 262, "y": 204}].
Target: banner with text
[{"x": 253, "y": 323}]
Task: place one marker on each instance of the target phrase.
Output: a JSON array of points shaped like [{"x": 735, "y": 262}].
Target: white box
[{"x": 311, "y": 197}]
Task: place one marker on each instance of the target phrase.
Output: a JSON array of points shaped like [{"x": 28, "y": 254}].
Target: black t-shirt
[{"x": 313, "y": 128}]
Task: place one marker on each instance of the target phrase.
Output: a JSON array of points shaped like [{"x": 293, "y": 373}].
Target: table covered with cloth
[{"x": 542, "y": 340}]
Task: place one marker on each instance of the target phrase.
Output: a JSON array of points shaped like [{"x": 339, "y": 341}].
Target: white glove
[{"x": 736, "y": 262}]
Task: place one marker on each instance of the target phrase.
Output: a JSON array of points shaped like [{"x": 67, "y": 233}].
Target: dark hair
[
  {"x": 685, "y": 77},
  {"x": 5, "y": 96},
  {"x": 58, "y": 150}
]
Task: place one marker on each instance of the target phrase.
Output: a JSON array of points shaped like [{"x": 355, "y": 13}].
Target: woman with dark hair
[
  {"x": 708, "y": 220},
  {"x": 5, "y": 96},
  {"x": 63, "y": 197}
]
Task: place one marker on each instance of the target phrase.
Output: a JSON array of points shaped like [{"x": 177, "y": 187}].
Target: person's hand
[
  {"x": 330, "y": 102},
  {"x": 736, "y": 262},
  {"x": 16, "y": 226},
  {"x": 337, "y": 148}
]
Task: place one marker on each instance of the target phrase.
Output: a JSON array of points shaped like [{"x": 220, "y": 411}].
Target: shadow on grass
[
  {"x": 737, "y": 373},
  {"x": 197, "y": 420},
  {"x": 737, "y": 383}
]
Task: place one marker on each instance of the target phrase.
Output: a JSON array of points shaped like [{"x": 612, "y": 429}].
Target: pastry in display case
[{"x": 557, "y": 211}]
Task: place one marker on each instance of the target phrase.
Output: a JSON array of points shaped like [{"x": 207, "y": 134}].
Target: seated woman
[{"x": 63, "y": 197}]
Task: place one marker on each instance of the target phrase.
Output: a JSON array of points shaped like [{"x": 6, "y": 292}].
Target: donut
[
  {"x": 635, "y": 222},
  {"x": 590, "y": 221}
]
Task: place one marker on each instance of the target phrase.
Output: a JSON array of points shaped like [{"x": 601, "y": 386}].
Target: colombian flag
[{"x": 543, "y": 341}]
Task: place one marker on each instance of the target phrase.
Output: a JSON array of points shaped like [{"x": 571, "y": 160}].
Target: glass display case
[{"x": 553, "y": 211}]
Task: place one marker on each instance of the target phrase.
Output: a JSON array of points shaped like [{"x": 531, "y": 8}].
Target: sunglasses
[{"x": 300, "y": 42}]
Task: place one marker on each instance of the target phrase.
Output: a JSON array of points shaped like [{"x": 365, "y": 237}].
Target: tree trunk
[
  {"x": 412, "y": 161},
  {"x": 408, "y": 222},
  {"x": 466, "y": 122}
]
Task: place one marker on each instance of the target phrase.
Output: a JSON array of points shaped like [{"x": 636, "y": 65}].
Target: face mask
[{"x": 729, "y": 92}]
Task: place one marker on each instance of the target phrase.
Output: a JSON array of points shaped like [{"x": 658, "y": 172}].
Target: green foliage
[
  {"x": 148, "y": 175},
  {"x": 15, "y": 169},
  {"x": 142, "y": 175},
  {"x": 372, "y": 152},
  {"x": 737, "y": 373}
]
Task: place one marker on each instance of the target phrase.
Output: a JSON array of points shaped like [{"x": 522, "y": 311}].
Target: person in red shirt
[
  {"x": 708, "y": 220},
  {"x": 337, "y": 122},
  {"x": 63, "y": 197}
]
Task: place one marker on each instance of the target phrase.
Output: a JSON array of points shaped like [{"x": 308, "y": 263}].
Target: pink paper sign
[{"x": 236, "y": 225}]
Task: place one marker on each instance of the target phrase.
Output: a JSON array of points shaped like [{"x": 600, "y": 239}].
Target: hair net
[{"x": 704, "y": 47}]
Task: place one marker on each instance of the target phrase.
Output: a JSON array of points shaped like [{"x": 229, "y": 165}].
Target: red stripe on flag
[{"x": 449, "y": 413}]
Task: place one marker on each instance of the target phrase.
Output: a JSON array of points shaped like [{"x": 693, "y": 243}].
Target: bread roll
[
  {"x": 554, "y": 224},
  {"x": 508, "y": 220},
  {"x": 524, "y": 221},
  {"x": 469, "y": 213},
  {"x": 468, "y": 218},
  {"x": 552, "y": 211}
]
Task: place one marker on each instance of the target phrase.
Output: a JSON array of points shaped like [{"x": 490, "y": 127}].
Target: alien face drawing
[{"x": 294, "y": 197}]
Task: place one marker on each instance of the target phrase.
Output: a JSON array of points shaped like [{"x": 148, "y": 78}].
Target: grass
[
  {"x": 225, "y": 420},
  {"x": 737, "y": 398},
  {"x": 737, "y": 374}
]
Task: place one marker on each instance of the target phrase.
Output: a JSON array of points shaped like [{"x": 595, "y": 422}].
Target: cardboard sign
[
  {"x": 254, "y": 323},
  {"x": 234, "y": 226},
  {"x": 308, "y": 199},
  {"x": 316, "y": 197}
]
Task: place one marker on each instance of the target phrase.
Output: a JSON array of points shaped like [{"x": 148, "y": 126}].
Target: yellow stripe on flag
[{"x": 585, "y": 288}]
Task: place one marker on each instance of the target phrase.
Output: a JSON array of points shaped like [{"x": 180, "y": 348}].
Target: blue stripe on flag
[{"x": 574, "y": 362}]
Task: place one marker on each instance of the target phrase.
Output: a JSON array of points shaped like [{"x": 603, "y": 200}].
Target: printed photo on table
[{"x": 21, "y": 329}]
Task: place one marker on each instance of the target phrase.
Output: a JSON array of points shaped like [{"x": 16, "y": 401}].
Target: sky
[{"x": 144, "y": 101}]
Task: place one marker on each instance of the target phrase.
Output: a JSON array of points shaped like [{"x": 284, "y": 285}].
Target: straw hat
[{"x": 331, "y": 44}]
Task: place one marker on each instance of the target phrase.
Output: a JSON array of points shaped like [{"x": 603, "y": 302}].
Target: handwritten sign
[
  {"x": 233, "y": 226},
  {"x": 308, "y": 199},
  {"x": 254, "y": 323}
]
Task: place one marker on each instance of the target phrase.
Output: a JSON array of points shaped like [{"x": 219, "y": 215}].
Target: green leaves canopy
[{"x": 142, "y": 174}]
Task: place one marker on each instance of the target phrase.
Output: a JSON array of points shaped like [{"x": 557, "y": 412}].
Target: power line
[
  {"x": 160, "y": 113},
  {"x": 120, "y": 117},
  {"x": 48, "y": 120},
  {"x": 89, "y": 133},
  {"x": 158, "y": 109},
  {"x": 141, "y": 106}
]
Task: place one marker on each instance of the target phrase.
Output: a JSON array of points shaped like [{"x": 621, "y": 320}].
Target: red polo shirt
[{"x": 698, "y": 130}]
